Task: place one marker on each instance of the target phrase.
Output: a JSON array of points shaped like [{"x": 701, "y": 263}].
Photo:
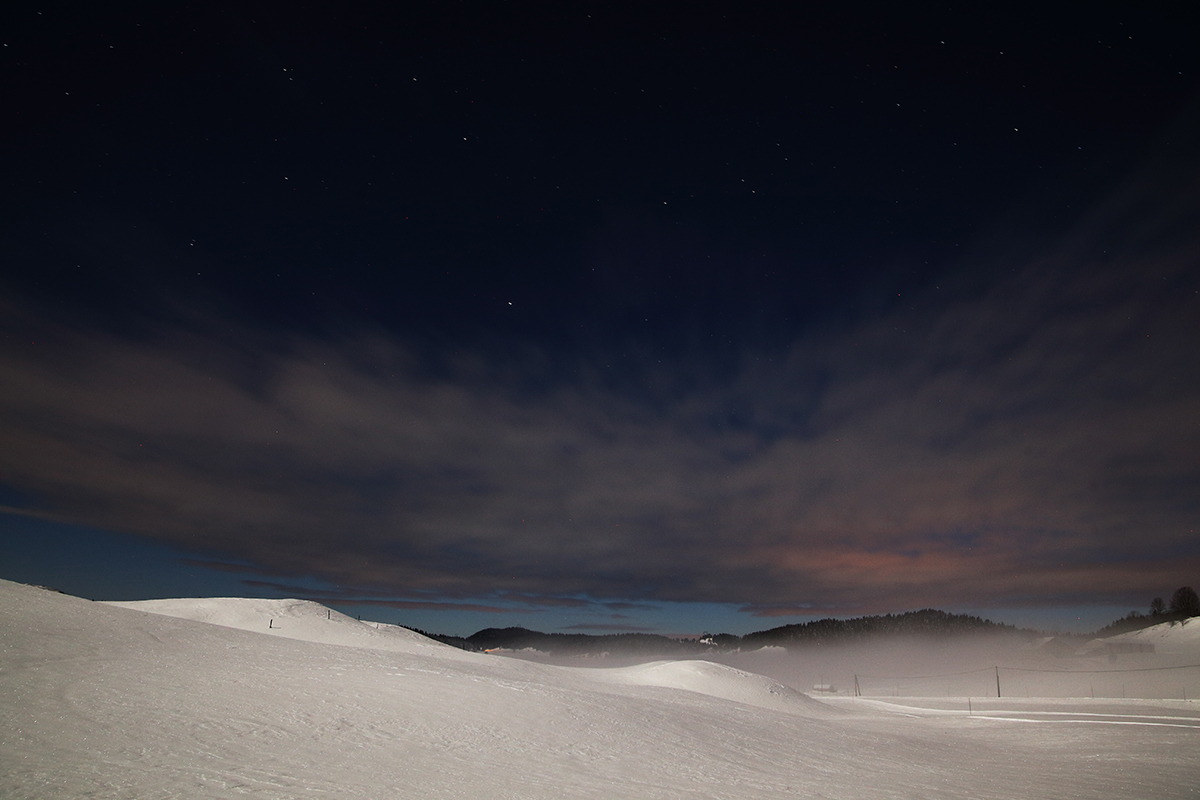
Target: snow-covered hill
[
  {"x": 1182, "y": 637},
  {"x": 105, "y": 701},
  {"x": 292, "y": 619},
  {"x": 717, "y": 680}
]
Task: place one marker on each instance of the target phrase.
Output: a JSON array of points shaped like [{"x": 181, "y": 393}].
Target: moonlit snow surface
[{"x": 283, "y": 699}]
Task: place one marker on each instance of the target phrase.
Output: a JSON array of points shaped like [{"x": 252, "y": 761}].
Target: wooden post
[{"x": 997, "y": 682}]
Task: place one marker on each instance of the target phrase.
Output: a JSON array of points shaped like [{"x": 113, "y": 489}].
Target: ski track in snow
[{"x": 231, "y": 698}]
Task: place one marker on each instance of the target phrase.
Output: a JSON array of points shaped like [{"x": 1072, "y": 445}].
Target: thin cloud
[
  {"x": 607, "y": 627},
  {"x": 544, "y": 601},
  {"x": 410, "y": 605},
  {"x": 1033, "y": 441},
  {"x": 225, "y": 566},
  {"x": 784, "y": 611}
]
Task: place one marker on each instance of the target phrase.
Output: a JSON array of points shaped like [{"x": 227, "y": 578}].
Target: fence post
[{"x": 997, "y": 682}]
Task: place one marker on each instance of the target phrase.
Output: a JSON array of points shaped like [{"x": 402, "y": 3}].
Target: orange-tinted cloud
[{"x": 1034, "y": 442}]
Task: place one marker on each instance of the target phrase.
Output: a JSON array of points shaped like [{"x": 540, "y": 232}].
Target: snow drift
[
  {"x": 107, "y": 701},
  {"x": 292, "y": 619}
]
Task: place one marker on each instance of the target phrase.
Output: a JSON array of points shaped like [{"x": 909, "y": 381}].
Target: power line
[
  {"x": 1081, "y": 671},
  {"x": 922, "y": 677}
]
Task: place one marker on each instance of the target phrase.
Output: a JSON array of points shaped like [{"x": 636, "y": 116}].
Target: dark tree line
[
  {"x": 1185, "y": 603},
  {"x": 927, "y": 622},
  {"x": 581, "y": 643}
]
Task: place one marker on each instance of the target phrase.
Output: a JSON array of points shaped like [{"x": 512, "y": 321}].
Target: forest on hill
[
  {"x": 1185, "y": 603},
  {"x": 927, "y": 622}
]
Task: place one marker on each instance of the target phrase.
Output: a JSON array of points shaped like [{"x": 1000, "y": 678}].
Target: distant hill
[
  {"x": 1178, "y": 635},
  {"x": 1136, "y": 621},
  {"x": 929, "y": 622},
  {"x": 581, "y": 643}
]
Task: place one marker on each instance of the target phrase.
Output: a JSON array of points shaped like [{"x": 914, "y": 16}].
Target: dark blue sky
[{"x": 600, "y": 317}]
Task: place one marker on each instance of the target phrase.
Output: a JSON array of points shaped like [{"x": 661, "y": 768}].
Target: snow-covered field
[{"x": 285, "y": 699}]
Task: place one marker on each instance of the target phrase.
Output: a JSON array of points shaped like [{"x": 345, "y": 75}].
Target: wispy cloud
[
  {"x": 226, "y": 566},
  {"x": 410, "y": 605},
  {"x": 607, "y": 627},
  {"x": 368, "y": 598},
  {"x": 1033, "y": 441}
]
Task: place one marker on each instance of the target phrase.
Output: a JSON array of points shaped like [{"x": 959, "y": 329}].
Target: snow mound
[
  {"x": 108, "y": 702},
  {"x": 717, "y": 680},
  {"x": 1167, "y": 637},
  {"x": 291, "y": 619}
]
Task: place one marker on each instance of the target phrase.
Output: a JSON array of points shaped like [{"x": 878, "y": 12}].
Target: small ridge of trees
[
  {"x": 580, "y": 644},
  {"x": 1184, "y": 605},
  {"x": 928, "y": 622},
  {"x": 453, "y": 641},
  {"x": 1186, "y": 602}
]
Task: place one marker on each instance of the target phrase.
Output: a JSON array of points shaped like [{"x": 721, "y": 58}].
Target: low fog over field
[
  {"x": 971, "y": 666},
  {"x": 288, "y": 699},
  {"x": 968, "y": 667}
]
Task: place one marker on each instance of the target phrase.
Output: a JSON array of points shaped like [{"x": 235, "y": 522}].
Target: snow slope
[
  {"x": 717, "y": 680},
  {"x": 103, "y": 701},
  {"x": 292, "y": 619},
  {"x": 311, "y": 622},
  {"x": 1181, "y": 637}
]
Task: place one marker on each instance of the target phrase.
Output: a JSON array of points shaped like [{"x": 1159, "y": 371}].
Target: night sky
[{"x": 663, "y": 317}]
